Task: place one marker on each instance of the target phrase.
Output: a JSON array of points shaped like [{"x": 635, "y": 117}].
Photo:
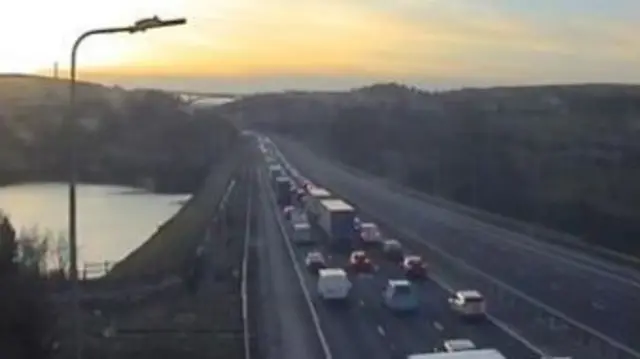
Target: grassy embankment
[{"x": 166, "y": 250}]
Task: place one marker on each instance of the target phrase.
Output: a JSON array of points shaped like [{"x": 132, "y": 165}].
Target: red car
[
  {"x": 359, "y": 262},
  {"x": 414, "y": 267}
]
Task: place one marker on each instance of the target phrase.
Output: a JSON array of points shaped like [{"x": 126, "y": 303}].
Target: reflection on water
[{"x": 112, "y": 220}]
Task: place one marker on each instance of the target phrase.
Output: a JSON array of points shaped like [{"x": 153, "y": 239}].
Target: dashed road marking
[
  {"x": 381, "y": 331},
  {"x": 438, "y": 326}
]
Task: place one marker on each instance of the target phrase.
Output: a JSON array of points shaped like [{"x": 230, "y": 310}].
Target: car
[
  {"x": 333, "y": 284},
  {"x": 359, "y": 262},
  {"x": 458, "y": 345},
  {"x": 414, "y": 267},
  {"x": 302, "y": 233},
  {"x": 315, "y": 261},
  {"x": 469, "y": 304},
  {"x": 399, "y": 296},
  {"x": 287, "y": 212},
  {"x": 392, "y": 249},
  {"x": 370, "y": 233}
]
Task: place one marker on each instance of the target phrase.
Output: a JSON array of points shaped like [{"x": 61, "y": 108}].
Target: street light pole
[{"x": 71, "y": 127}]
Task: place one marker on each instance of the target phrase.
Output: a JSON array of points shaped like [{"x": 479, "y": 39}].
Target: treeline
[
  {"x": 27, "y": 318},
  {"x": 145, "y": 138},
  {"x": 567, "y": 157}
]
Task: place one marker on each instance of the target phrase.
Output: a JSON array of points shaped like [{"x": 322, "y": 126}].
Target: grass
[
  {"x": 164, "y": 252},
  {"x": 175, "y": 323}
]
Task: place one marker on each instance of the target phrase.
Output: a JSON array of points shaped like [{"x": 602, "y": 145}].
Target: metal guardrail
[
  {"x": 515, "y": 304},
  {"x": 92, "y": 270},
  {"x": 133, "y": 294}
]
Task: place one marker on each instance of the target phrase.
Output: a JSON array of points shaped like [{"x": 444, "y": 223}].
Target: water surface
[{"x": 112, "y": 220}]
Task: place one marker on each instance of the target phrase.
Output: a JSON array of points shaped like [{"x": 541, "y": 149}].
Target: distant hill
[
  {"x": 567, "y": 156},
  {"x": 130, "y": 137}
]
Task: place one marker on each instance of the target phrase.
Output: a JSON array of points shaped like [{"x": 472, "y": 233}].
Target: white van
[
  {"x": 468, "y": 303},
  {"x": 333, "y": 284},
  {"x": 302, "y": 233}
]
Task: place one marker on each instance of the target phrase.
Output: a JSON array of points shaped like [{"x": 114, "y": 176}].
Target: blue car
[{"x": 399, "y": 296}]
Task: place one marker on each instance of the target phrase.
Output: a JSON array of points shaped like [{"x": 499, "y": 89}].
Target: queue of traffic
[{"x": 316, "y": 216}]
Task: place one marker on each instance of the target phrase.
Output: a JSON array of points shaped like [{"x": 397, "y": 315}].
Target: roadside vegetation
[
  {"x": 566, "y": 157},
  {"x": 26, "y": 314},
  {"x": 140, "y": 137}
]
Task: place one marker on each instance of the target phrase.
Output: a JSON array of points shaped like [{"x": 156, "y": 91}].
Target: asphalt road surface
[
  {"x": 286, "y": 330},
  {"x": 364, "y": 328},
  {"x": 597, "y": 294}
]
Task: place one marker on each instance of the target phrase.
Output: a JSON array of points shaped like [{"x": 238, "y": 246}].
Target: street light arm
[{"x": 81, "y": 38}]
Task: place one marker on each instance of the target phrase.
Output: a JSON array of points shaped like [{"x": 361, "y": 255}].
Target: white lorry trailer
[
  {"x": 312, "y": 200},
  {"x": 335, "y": 218}
]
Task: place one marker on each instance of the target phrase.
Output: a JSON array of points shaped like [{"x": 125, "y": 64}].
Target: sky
[{"x": 265, "y": 45}]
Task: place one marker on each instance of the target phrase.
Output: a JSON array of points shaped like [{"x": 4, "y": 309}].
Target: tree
[{"x": 8, "y": 244}]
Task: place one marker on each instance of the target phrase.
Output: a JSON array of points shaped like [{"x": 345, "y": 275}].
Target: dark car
[
  {"x": 414, "y": 267},
  {"x": 315, "y": 261},
  {"x": 359, "y": 262},
  {"x": 393, "y": 250}
]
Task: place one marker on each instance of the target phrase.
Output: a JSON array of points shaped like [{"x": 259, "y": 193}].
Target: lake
[{"x": 112, "y": 220}]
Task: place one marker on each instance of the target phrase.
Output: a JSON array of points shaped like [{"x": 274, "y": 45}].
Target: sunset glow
[{"x": 499, "y": 39}]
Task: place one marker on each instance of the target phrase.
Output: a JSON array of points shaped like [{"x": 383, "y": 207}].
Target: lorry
[
  {"x": 467, "y": 354},
  {"x": 283, "y": 191},
  {"x": 335, "y": 218},
  {"x": 313, "y": 199}
]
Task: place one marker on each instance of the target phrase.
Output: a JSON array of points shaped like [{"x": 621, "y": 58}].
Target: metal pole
[
  {"x": 71, "y": 138},
  {"x": 73, "y": 245},
  {"x": 71, "y": 128}
]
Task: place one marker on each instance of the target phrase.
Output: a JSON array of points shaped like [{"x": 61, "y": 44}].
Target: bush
[{"x": 25, "y": 312}]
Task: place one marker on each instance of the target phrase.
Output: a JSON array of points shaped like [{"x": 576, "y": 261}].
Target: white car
[
  {"x": 315, "y": 262},
  {"x": 458, "y": 345},
  {"x": 333, "y": 284},
  {"x": 468, "y": 303},
  {"x": 302, "y": 233}
]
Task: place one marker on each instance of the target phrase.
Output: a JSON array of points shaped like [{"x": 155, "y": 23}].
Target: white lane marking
[
  {"x": 381, "y": 331},
  {"x": 450, "y": 289},
  {"x": 296, "y": 267},
  {"x": 415, "y": 237},
  {"x": 361, "y": 303},
  {"x": 438, "y": 326}
]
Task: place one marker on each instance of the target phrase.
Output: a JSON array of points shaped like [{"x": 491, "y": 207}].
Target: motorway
[
  {"x": 597, "y": 294},
  {"x": 363, "y": 328}
]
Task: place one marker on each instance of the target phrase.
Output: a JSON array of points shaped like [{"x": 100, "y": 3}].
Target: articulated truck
[
  {"x": 282, "y": 187},
  {"x": 335, "y": 218},
  {"x": 312, "y": 201}
]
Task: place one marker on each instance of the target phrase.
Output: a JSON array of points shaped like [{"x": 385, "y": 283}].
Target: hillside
[
  {"x": 127, "y": 137},
  {"x": 564, "y": 156}
]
